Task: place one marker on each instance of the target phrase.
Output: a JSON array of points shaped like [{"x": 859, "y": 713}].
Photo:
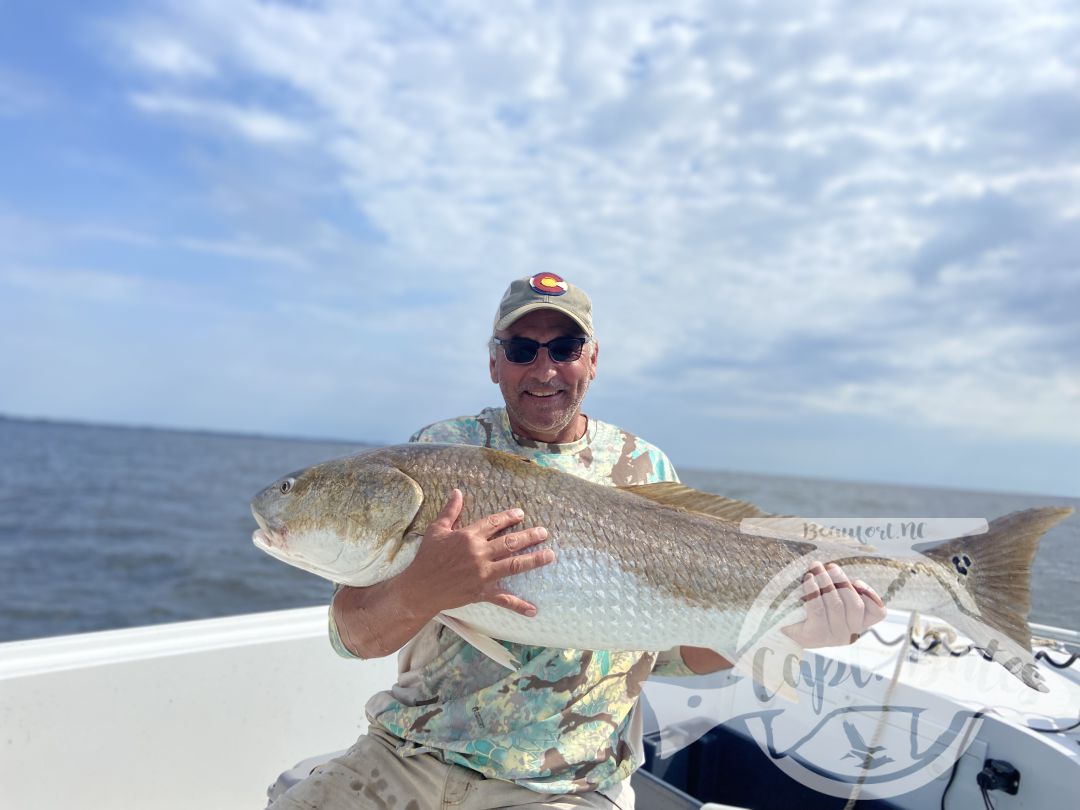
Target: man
[{"x": 562, "y": 730}]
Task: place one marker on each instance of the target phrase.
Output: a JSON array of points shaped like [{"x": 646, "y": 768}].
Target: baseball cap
[{"x": 544, "y": 291}]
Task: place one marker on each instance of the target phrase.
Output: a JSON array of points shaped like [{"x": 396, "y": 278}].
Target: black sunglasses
[{"x": 522, "y": 351}]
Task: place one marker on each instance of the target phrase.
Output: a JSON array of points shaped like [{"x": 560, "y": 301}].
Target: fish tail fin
[
  {"x": 998, "y": 576},
  {"x": 995, "y": 570}
]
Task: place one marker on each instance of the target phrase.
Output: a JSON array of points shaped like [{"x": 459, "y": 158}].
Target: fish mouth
[
  {"x": 267, "y": 538},
  {"x": 275, "y": 542}
]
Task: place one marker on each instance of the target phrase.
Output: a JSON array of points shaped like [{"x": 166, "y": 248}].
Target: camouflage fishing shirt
[{"x": 565, "y": 721}]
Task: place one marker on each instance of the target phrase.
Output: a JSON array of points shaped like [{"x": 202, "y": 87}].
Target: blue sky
[{"x": 837, "y": 239}]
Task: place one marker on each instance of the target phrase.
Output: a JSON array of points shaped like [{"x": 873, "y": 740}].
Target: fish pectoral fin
[
  {"x": 485, "y": 644},
  {"x": 680, "y": 496},
  {"x": 773, "y": 663}
]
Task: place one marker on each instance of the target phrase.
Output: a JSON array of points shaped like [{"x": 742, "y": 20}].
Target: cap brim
[{"x": 507, "y": 320}]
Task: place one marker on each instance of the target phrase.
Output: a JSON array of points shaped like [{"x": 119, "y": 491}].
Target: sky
[{"x": 830, "y": 239}]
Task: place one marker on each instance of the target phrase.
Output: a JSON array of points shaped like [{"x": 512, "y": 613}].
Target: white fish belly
[{"x": 586, "y": 601}]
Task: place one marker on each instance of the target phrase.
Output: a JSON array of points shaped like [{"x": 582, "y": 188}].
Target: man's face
[{"x": 543, "y": 399}]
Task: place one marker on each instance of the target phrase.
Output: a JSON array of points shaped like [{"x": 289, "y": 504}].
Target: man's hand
[
  {"x": 454, "y": 566},
  {"x": 837, "y": 610},
  {"x": 457, "y": 566}
]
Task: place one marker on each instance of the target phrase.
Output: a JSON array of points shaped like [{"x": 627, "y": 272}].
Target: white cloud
[
  {"x": 809, "y": 174},
  {"x": 171, "y": 56},
  {"x": 1004, "y": 402},
  {"x": 114, "y": 233},
  {"x": 250, "y": 122},
  {"x": 244, "y": 248}
]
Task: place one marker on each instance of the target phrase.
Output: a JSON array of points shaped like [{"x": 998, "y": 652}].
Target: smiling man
[
  {"x": 543, "y": 399},
  {"x": 563, "y": 729}
]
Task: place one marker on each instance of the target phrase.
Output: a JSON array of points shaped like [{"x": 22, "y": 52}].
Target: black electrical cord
[
  {"x": 948, "y": 785},
  {"x": 935, "y": 643},
  {"x": 956, "y": 764},
  {"x": 892, "y": 643},
  {"x": 1056, "y": 730},
  {"x": 1041, "y": 654}
]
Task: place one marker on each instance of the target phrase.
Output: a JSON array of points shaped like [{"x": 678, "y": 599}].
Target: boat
[{"x": 222, "y": 713}]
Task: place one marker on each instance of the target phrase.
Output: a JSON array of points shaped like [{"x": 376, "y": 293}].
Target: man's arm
[
  {"x": 454, "y": 566},
  {"x": 838, "y": 611}
]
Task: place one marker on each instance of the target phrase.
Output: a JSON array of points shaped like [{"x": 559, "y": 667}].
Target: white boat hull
[
  {"x": 208, "y": 713},
  {"x": 196, "y": 714}
]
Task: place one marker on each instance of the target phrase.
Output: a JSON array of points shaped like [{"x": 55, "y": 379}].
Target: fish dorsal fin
[
  {"x": 504, "y": 460},
  {"x": 680, "y": 496},
  {"x": 782, "y": 527}
]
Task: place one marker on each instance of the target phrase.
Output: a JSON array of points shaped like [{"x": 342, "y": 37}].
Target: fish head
[{"x": 342, "y": 520}]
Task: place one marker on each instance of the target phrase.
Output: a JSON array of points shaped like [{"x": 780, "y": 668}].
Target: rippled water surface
[{"x": 106, "y": 527}]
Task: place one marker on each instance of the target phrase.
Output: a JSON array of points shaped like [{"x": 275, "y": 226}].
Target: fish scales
[
  {"x": 680, "y": 552},
  {"x": 632, "y": 572},
  {"x": 592, "y": 554}
]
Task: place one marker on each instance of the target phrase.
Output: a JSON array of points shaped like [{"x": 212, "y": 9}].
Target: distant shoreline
[{"x": 57, "y": 422}]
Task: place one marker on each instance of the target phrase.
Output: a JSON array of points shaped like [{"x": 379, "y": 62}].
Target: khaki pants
[{"x": 379, "y": 773}]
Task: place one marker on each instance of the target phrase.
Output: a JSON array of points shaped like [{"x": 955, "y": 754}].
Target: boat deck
[{"x": 208, "y": 713}]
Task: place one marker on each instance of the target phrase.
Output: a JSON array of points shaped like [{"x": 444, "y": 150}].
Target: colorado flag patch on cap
[{"x": 548, "y": 284}]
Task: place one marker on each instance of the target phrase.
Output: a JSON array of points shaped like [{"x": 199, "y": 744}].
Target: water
[
  {"x": 107, "y": 527},
  {"x": 104, "y": 527}
]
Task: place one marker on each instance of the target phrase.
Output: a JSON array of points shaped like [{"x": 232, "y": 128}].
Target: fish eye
[{"x": 286, "y": 485}]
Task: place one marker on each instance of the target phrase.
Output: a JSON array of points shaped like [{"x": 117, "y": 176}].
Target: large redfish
[{"x": 637, "y": 568}]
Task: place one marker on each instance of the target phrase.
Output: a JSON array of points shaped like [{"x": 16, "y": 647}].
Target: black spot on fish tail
[{"x": 997, "y": 568}]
